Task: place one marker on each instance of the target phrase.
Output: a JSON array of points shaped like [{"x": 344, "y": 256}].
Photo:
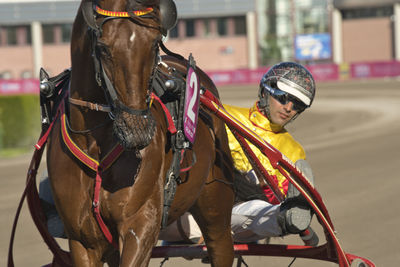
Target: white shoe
[{"x": 295, "y": 212}]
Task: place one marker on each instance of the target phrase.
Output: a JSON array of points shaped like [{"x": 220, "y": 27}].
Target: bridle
[{"x": 93, "y": 14}]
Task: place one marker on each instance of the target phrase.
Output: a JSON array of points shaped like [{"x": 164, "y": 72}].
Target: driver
[{"x": 285, "y": 91}]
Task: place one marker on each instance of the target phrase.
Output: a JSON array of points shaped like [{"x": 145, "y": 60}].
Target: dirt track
[{"x": 351, "y": 136}]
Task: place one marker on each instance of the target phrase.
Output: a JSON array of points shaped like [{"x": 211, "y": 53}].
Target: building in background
[
  {"x": 366, "y": 30},
  {"x": 35, "y": 34},
  {"x": 294, "y": 30},
  {"x": 221, "y": 34}
]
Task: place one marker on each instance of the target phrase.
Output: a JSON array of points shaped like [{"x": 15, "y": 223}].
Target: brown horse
[{"x": 114, "y": 50}]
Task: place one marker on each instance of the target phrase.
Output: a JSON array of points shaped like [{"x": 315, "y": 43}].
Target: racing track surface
[{"x": 351, "y": 135}]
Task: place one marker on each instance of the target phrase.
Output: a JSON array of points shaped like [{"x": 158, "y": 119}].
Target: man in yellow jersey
[{"x": 286, "y": 90}]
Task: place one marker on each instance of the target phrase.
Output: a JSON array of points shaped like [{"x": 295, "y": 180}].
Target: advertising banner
[
  {"x": 313, "y": 46},
  {"x": 16, "y": 87},
  {"x": 320, "y": 72},
  {"x": 324, "y": 72},
  {"x": 375, "y": 69}
]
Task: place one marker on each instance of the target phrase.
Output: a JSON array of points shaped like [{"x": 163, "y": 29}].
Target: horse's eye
[
  {"x": 103, "y": 51},
  {"x": 156, "y": 43}
]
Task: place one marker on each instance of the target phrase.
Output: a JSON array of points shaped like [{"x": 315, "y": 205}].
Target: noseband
[{"x": 92, "y": 13}]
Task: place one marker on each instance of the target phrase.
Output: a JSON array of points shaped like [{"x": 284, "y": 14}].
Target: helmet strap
[
  {"x": 263, "y": 97},
  {"x": 263, "y": 104},
  {"x": 294, "y": 117}
]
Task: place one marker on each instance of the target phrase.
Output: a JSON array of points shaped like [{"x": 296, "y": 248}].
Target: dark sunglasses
[{"x": 284, "y": 98}]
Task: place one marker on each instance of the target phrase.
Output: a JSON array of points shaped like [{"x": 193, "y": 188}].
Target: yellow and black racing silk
[{"x": 274, "y": 134}]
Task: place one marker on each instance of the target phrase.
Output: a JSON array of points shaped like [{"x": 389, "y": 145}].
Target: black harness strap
[
  {"x": 178, "y": 140},
  {"x": 102, "y": 79}
]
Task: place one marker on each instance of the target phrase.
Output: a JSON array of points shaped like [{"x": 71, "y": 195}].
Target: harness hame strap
[
  {"x": 90, "y": 105},
  {"x": 106, "y": 108},
  {"x": 171, "y": 125},
  {"x": 106, "y": 162},
  {"x": 96, "y": 166}
]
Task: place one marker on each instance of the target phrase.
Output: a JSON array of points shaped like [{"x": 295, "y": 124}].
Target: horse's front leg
[
  {"x": 138, "y": 234},
  {"x": 84, "y": 257}
]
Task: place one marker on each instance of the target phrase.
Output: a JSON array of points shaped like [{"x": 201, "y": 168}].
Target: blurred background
[
  {"x": 352, "y": 48},
  {"x": 222, "y": 34},
  {"x": 234, "y": 41}
]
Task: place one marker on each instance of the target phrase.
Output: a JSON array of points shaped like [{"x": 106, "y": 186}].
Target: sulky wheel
[{"x": 358, "y": 263}]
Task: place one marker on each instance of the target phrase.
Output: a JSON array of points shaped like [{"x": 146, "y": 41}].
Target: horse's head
[{"x": 126, "y": 36}]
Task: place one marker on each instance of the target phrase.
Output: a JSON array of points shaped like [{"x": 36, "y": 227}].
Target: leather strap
[
  {"x": 171, "y": 125},
  {"x": 90, "y": 105},
  {"x": 98, "y": 167}
]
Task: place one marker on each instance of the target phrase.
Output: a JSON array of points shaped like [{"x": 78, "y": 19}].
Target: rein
[
  {"x": 92, "y": 15},
  {"x": 95, "y": 18},
  {"x": 107, "y": 161},
  {"x": 97, "y": 166}
]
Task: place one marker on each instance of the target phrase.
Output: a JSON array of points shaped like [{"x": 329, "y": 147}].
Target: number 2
[{"x": 193, "y": 84}]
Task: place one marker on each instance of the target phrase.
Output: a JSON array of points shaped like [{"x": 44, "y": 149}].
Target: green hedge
[{"x": 19, "y": 121}]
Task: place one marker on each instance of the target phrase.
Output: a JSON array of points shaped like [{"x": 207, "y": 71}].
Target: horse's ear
[
  {"x": 43, "y": 75},
  {"x": 88, "y": 13},
  {"x": 168, "y": 15}
]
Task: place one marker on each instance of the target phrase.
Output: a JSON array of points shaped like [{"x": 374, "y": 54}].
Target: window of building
[
  {"x": 28, "y": 33},
  {"x": 26, "y": 74},
  {"x": 15, "y": 35},
  {"x": 6, "y": 75},
  {"x": 370, "y": 12},
  {"x": 66, "y": 31},
  {"x": 283, "y": 25},
  {"x": 12, "y": 35},
  {"x": 240, "y": 25},
  {"x": 207, "y": 27},
  {"x": 173, "y": 33},
  {"x": 48, "y": 34},
  {"x": 190, "y": 29},
  {"x": 221, "y": 26},
  {"x": 312, "y": 19}
]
